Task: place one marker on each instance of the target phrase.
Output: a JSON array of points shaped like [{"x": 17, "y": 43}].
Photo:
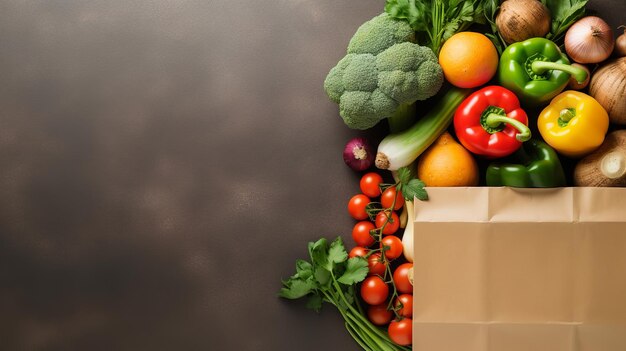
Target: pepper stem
[
  {"x": 566, "y": 115},
  {"x": 540, "y": 67},
  {"x": 494, "y": 120}
]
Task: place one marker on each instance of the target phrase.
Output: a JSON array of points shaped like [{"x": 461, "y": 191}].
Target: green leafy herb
[
  {"x": 317, "y": 280},
  {"x": 303, "y": 269},
  {"x": 336, "y": 254},
  {"x": 410, "y": 186},
  {"x": 319, "y": 253},
  {"x": 356, "y": 271},
  {"x": 564, "y": 14},
  {"x": 437, "y": 20},
  {"x": 295, "y": 289},
  {"x": 322, "y": 276},
  {"x": 490, "y": 10},
  {"x": 412, "y": 11},
  {"x": 415, "y": 188},
  {"x": 405, "y": 175},
  {"x": 314, "y": 302}
]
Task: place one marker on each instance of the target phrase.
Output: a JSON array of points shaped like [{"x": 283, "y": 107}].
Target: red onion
[
  {"x": 590, "y": 40},
  {"x": 358, "y": 154}
]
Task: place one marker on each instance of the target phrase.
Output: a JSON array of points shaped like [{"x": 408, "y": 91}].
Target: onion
[
  {"x": 358, "y": 154},
  {"x": 608, "y": 86},
  {"x": 519, "y": 20},
  {"x": 590, "y": 40},
  {"x": 620, "y": 43},
  {"x": 574, "y": 84},
  {"x": 606, "y": 166}
]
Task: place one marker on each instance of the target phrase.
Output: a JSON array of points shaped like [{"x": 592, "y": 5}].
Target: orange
[
  {"x": 468, "y": 59},
  {"x": 447, "y": 163}
]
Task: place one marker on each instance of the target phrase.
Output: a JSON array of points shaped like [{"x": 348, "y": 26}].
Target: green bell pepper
[
  {"x": 536, "y": 71},
  {"x": 536, "y": 166}
]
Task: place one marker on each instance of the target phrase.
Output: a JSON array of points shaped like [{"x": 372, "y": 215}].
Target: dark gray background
[{"x": 162, "y": 166}]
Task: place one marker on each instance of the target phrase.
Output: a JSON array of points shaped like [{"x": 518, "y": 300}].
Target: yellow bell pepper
[{"x": 574, "y": 123}]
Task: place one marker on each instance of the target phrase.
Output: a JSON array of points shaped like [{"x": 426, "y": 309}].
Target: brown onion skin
[
  {"x": 588, "y": 171},
  {"x": 608, "y": 87},
  {"x": 597, "y": 32},
  {"x": 519, "y": 20},
  {"x": 620, "y": 44}
]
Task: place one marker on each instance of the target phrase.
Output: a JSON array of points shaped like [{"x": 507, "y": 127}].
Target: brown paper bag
[{"x": 502, "y": 269}]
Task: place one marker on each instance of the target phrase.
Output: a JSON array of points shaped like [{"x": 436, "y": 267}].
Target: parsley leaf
[
  {"x": 303, "y": 269},
  {"x": 336, "y": 254},
  {"x": 296, "y": 289},
  {"x": 404, "y": 175},
  {"x": 451, "y": 28},
  {"x": 414, "y": 188},
  {"x": 410, "y": 186},
  {"x": 319, "y": 253},
  {"x": 314, "y": 302},
  {"x": 322, "y": 276},
  {"x": 356, "y": 271},
  {"x": 564, "y": 14},
  {"x": 490, "y": 10},
  {"x": 437, "y": 19},
  {"x": 412, "y": 11}
]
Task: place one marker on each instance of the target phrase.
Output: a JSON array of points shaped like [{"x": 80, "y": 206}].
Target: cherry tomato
[
  {"x": 357, "y": 251},
  {"x": 361, "y": 233},
  {"x": 405, "y": 304},
  {"x": 370, "y": 184},
  {"x": 376, "y": 264},
  {"x": 401, "y": 278},
  {"x": 356, "y": 207},
  {"x": 391, "y": 226},
  {"x": 374, "y": 291},
  {"x": 387, "y": 198},
  {"x": 379, "y": 314},
  {"x": 400, "y": 332},
  {"x": 395, "y": 246}
]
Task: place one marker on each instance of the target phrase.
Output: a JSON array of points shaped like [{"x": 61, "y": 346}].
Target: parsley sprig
[
  {"x": 330, "y": 276},
  {"x": 410, "y": 186},
  {"x": 436, "y": 20}
]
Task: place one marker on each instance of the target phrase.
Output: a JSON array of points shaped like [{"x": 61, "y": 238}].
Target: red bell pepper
[{"x": 491, "y": 123}]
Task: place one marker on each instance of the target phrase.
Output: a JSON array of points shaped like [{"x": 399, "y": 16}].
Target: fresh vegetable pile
[
  {"x": 513, "y": 93},
  {"x": 376, "y": 262}
]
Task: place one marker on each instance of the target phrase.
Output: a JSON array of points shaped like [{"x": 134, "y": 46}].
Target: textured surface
[{"x": 163, "y": 164}]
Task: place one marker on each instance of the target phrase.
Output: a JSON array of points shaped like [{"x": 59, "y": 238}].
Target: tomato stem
[{"x": 386, "y": 262}]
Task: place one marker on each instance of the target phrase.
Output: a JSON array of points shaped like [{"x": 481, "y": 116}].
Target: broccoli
[{"x": 383, "y": 72}]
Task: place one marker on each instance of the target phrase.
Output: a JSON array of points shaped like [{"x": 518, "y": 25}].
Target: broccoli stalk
[
  {"x": 382, "y": 75},
  {"x": 403, "y": 118}
]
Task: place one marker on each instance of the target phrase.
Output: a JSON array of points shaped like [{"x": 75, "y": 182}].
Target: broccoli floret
[
  {"x": 361, "y": 74},
  {"x": 409, "y": 72},
  {"x": 362, "y": 109},
  {"x": 378, "y": 34},
  {"x": 334, "y": 80},
  {"x": 382, "y": 71}
]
